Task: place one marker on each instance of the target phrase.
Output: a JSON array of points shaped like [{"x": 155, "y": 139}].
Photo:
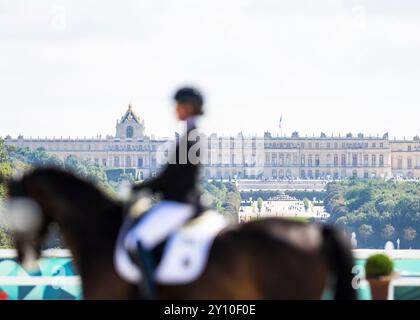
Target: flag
[{"x": 280, "y": 121}]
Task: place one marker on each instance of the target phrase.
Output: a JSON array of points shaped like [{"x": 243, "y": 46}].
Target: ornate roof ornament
[{"x": 130, "y": 115}]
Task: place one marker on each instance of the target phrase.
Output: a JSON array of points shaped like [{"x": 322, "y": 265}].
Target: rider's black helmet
[{"x": 191, "y": 96}]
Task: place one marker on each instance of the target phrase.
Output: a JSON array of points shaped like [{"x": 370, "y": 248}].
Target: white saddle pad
[{"x": 186, "y": 253}]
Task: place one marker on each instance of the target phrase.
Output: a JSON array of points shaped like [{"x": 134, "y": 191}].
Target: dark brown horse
[{"x": 266, "y": 259}]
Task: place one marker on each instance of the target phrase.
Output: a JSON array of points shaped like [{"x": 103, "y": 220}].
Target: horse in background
[{"x": 264, "y": 259}]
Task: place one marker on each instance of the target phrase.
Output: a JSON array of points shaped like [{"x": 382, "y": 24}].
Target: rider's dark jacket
[{"x": 178, "y": 180}]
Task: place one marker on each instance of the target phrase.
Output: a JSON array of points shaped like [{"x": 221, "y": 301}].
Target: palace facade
[{"x": 267, "y": 157}]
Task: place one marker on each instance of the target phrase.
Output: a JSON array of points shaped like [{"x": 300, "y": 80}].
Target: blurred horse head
[{"x": 26, "y": 220}]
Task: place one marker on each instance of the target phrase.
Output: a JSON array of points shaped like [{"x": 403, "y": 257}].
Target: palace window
[
  {"x": 310, "y": 176},
  {"x": 381, "y": 160},
  {"x": 310, "y": 145},
  {"x": 409, "y": 148},
  {"x": 116, "y": 161},
  {"x": 317, "y": 145},
  {"x": 129, "y": 132},
  {"x": 335, "y": 160},
  {"x": 400, "y": 163},
  {"x": 302, "y": 174},
  {"x": 409, "y": 163},
  {"x": 335, "y": 145},
  {"x": 381, "y": 145},
  {"x": 366, "y": 160},
  {"x": 302, "y": 160},
  {"x": 128, "y": 161},
  {"x": 343, "y": 160},
  {"x": 373, "y": 160},
  {"x": 354, "y": 160},
  {"x": 274, "y": 173},
  {"x": 140, "y": 162},
  {"x": 274, "y": 158},
  {"x": 316, "y": 160},
  {"x": 310, "y": 160},
  {"x": 281, "y": 173}
]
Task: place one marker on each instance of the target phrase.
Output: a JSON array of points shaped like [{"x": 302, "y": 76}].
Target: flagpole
[{"x": 281, "y": 128}]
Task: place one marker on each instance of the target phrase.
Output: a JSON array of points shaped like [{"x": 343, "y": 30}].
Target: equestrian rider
[{"x": 177, "y": 184}]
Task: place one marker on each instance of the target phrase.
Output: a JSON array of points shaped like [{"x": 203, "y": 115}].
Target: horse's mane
[
  {"x": 87, "y": 210},
  {"x": 72, "y": 186}
]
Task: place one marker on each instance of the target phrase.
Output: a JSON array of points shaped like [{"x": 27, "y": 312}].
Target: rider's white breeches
[{"x": 163, "y": 219}]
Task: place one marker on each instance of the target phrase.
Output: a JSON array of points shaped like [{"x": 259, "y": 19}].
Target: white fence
[
  {"x": 50, "y": 253},
  {"x": 394, "y": 254},
  {"x": 56, "y": 281}
]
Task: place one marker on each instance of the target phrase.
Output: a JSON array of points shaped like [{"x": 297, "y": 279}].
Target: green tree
[
  {"x": 232, "y": 204},
  {"x": 388, "y": 232},
  {"x": 378, "y": 203},
  {"x": 3, "y": 152},
  {"x": 366, "y": 232},
  {"x": 6, "y": 240},
  {"x": 15, "y": 160},
  {"x": 259, "y": 204},
  {"x": 410, "y": 234},
  {"x": 5, "y": 167},
  {"x": 306, "y": 203},
  {"x": 224, "y": 196}
]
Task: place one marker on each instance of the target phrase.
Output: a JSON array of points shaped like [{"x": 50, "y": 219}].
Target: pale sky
[{"x": 70, "y": 68}]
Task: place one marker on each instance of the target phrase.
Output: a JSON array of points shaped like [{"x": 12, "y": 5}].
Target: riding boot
[{"x": 145, "y": 261}]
